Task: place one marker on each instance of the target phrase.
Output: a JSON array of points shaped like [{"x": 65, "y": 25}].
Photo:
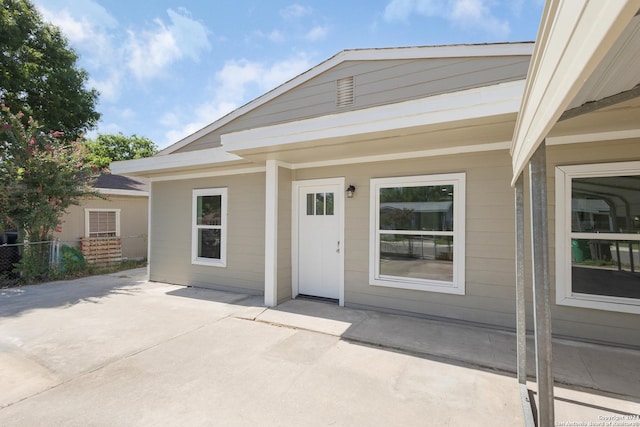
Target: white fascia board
[
  {"x": 418, "y": 52},
  {"x": 574, "y": 37},
  {"x": 211, "y": 156},
  {"x": 467, "y": 104},
  {"x": 119, "y": 192}
]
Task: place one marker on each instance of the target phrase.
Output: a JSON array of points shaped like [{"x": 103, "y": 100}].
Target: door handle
[{"x": 338, "y": 249}]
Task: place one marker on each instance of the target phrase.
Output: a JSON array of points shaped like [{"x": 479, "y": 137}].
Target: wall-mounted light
[{"x": 350, "y": 190}]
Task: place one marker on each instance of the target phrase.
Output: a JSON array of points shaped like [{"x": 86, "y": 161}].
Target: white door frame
[{"x": 295, "y": 187}]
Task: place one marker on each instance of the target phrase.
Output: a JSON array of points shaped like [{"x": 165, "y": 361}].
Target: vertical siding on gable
[
  {"x": 376, "y": 83},
  {"x": 170, "y": 259}
]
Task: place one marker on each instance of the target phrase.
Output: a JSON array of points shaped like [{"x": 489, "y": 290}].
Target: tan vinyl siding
[
  {"x": 490, "y": 276},
  {"x": 489, "y": 298},
  {"x": 171, "y": 234},
  {"x": 284, "y": 234},
  {"x": 376, "y": 83},
  {"x": 133, "y": 223}
]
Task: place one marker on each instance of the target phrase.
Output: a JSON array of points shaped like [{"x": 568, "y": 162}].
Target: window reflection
[
  {"x": 605, "y": 266},
  {"x": 421, "y": 257},
  {"x": 425, "y": 208}
]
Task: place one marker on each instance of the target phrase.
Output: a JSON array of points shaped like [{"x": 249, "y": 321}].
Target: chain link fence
[{"x": 42, "y": 261}]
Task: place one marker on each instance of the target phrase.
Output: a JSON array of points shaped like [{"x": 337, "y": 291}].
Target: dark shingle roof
[{"x": 121, "y": 182}]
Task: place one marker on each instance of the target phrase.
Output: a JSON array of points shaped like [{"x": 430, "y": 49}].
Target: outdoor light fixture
[{"x": 350, "y": 190}]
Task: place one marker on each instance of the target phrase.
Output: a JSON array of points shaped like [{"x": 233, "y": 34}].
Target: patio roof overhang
[
  {"x": 584, "y": 60},
  {"x": 444, "y": 123},
  {"x": 181, "y": 163}
]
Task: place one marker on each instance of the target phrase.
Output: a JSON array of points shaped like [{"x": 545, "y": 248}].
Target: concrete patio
[{"x": 118, "y": 350}]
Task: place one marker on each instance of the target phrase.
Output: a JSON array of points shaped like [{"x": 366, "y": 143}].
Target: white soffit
[
  {"x": 399, "y": 53},
  {"x": 467, "y": 104},
  {"x": 192, "y": 159},
  {"x": 575, "y": 39}
]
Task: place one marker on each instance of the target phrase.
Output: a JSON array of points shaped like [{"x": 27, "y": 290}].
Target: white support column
[
  {"x": 149, "y": 229},
  {"x": 271, "y": 235}
]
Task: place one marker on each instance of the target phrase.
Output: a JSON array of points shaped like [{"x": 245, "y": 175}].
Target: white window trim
[
  {"x": 87, "y": 212},
  {"x": 564, "y": 293},
  {"x": 457, "y": 286},
  {"x": 195, "y": 259}
]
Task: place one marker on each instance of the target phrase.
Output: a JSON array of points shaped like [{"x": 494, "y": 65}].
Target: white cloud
[
  {"x": 317, "y": 33},
  {"x": 113, "y": 54},
  {"x": 151, "y": 52},
  {"x": 275, "y": 36},
  {"x": 467, "y": 14},
  {"x": 477, "y": 14},
  {"x": 295, "y": 11},
  {"x": 236, "y": 83}
]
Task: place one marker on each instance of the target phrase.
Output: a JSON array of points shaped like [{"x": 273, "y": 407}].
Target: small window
[
  {"x": 102, "y": 222},
  {"x": 417, "y": 232},
  {"x": 319, "y": 204},
  {"x": 209, "y": 227},
  {"x": 598, "y": 236}
]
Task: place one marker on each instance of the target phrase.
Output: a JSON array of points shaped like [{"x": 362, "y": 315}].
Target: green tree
[
  {"x": 109, "y": 148},
  {"x": 39, "y": 74},
  {"x": 41, "y": 175}
]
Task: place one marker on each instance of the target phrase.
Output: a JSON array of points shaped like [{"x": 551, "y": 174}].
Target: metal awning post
[
  {"x": 521, "y": 324},
  {"x": 541, "y": 285}
]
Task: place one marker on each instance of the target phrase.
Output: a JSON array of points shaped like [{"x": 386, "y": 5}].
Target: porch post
[
  {"x": 271, "y": 235},
  {"x": 521, "y": 324},
  {"x": 541, "y": 285}
]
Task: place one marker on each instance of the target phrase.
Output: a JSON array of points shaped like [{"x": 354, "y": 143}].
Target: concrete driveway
[{"x": 117, "y": 350}]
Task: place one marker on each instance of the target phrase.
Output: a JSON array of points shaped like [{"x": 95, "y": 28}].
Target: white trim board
[
  {"x": 119, "y": 192},
  {"x": 208, "y": 157},
  {"x": 207, "y": 174},
  {"x": 467, "y": 104},
  {"x": 424, "y": 52}
]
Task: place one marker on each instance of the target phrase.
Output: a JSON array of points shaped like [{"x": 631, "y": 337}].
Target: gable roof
[{"x": 378, "y": 54}]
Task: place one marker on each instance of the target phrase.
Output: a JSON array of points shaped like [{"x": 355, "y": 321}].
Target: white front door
[{"x": 320, "y": 262}]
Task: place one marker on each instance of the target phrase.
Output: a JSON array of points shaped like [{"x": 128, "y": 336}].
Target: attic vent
[{"x": 344, "y": 94}]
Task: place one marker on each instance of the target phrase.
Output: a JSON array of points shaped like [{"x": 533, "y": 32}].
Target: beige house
[
  {"x": 381, "y": 179},
  {"x": 123, "y": 214}
]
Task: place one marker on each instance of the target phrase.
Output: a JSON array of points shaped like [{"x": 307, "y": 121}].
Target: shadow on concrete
[
  {"x": 17, "y": 300},
  {"x": 225, "y": 297},
  {"x": 591, "y": 368}
]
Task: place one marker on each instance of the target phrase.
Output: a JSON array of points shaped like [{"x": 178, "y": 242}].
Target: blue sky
[{"x": 166, "y": 68}]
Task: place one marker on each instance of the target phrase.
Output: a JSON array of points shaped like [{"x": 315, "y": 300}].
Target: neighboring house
[
  {"x": 123, "y": 213},
  {"x": 257, "y": 201}
]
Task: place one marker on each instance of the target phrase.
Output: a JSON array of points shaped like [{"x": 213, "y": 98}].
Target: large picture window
[
  {"x": 417, "y": 232},
  {"x": 598, "y": 236},
  {"x": 209, "y": 238}
]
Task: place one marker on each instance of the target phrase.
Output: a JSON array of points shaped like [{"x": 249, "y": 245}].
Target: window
[
  {"x": 209, "y": 238},
  {"x": 417, "y": 232},
  {"x": 101, "y": 222},
  {"x": 598, "y": 236},
  {"x": 319, "y": 204}
]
